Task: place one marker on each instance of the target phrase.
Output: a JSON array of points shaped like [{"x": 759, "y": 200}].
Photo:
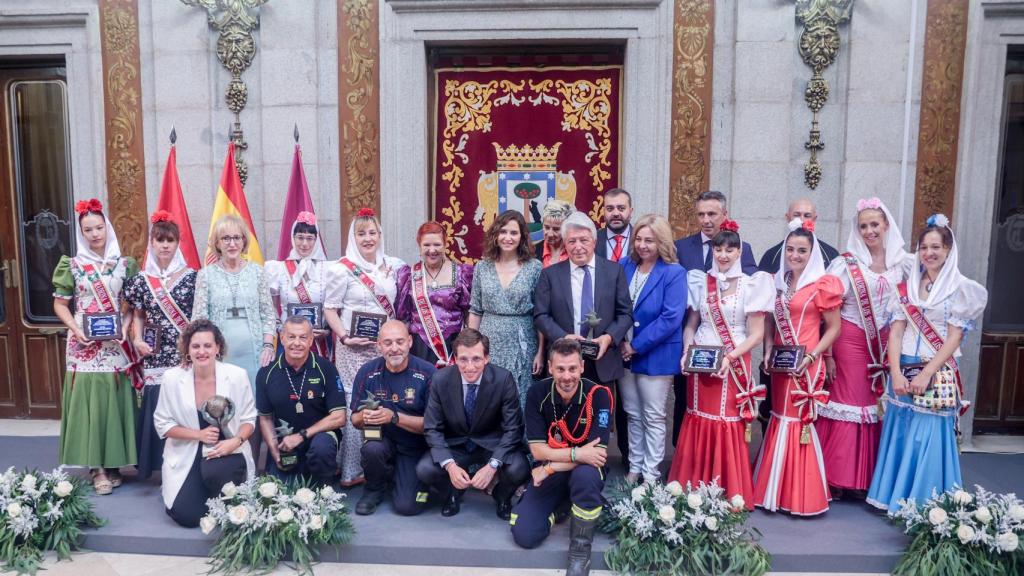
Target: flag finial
[
  {"x": 174, "y": 135},
  {"x": 296, "y": 133}
]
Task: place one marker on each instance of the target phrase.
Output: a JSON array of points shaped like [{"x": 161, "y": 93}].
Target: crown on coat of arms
[{"x": 513, "y": 157}]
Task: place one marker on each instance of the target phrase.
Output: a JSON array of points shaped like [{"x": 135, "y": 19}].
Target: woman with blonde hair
[
  {"x": 364, "y": 280},
  {"x": 654, "y": 344}
]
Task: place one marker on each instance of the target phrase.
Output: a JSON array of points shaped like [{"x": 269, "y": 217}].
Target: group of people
[{"x": 516, "y": 370}]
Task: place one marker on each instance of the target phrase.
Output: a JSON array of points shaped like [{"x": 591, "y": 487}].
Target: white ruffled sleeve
[
  {"x": 696, "y": 287},
  {"x": 276, "y": 274},
  {"x": 838, "y": 269},
  {"x": 337, "y": 285},
  {"x": 968, "y": 304},
  {"x": 760, "y": 293}
]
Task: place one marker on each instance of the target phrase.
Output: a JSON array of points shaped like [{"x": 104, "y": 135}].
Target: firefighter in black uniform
[{"x": 568, "y": 419}]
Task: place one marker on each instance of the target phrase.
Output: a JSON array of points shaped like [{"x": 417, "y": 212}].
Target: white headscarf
[
  {"x": 177, "y": 261},
  {"x": 892, "y": 243},
  {"x": 950, "y": 279},
  {"x": 352, "y": 253},
  {"x": 815, "y": 264},
  {"x": 734, "y": 271},
  {"x": 318, "y": 253},
  {"x": 112, "y": 250}
]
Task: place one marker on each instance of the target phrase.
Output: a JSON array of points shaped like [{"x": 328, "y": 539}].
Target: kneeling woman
[{"x": 200, "y": 458}]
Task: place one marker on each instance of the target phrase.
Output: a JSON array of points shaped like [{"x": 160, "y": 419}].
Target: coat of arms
[{"x": 525, "y": 179}]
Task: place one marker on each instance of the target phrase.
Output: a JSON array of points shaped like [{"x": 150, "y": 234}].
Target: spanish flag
[
  {"x": 231, "y": 200},
  {"x": 173, "y": 201}
]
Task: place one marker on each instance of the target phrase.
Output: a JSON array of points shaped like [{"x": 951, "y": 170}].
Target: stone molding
[{"x": 505, "y": 5}]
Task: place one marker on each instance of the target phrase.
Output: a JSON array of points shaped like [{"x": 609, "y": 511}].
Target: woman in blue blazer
[{"x": 657, "y": 288}]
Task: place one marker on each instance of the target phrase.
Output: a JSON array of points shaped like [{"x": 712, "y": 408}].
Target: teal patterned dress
[{"x": 507, "y": 318}]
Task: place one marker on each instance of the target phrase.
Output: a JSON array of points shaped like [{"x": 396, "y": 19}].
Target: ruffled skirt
[
  {"x": 97, "y": 426},
  {"x": 711, "y": 449}
]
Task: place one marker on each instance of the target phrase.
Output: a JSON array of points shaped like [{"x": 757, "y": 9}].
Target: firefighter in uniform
[{"x": 568, "y": 419}]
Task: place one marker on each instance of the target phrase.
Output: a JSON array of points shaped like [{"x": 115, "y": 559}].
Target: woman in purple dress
[{"x": 433, "y": 296}]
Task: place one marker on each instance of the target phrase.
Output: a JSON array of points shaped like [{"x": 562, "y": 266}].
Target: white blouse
[
  {"x": 281, "y": 285},
  {"x": 347, "y": 294},
  {"x": 755, "y": 293},
  {"x": 881, "y": 290},
  {"x": 961, "y": 309}
]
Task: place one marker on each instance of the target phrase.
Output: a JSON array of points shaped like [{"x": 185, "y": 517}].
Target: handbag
[{"x": 942, "y": 392}]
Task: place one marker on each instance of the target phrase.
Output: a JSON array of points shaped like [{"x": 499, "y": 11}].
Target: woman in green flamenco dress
[{"x": 97, "y": 427}]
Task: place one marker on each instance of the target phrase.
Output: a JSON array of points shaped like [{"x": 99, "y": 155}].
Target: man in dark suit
[
  {"x": 473, "y": 418},
  {"x": 613, "y": 239},
  {"x": 695, "y": 253},
  {"x": 568, "y": 291},
  {"x": 804, "y": 210}
]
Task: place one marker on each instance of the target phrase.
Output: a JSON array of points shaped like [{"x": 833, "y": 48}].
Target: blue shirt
[{"x": 404, "y": 392}]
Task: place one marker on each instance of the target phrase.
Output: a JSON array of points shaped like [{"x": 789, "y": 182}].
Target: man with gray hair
[
  {"x": 551, "y": 250},
  {"x": 586, "y": 287}
]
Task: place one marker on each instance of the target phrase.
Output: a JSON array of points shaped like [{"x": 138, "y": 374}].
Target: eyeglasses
[
  {"x": 232, "y": 239},
  {"x": 304, "y": 238}
]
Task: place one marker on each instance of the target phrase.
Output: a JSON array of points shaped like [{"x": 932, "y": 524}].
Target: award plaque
[
  {"x": 588, "y": 348},
  {"x": 785, "y": 359},
  {"x": 286, "y": 460},
  {"x": 911, "y": 370},
  {"x": 151, "y": 336},
  {"x": 704, "y": 359},
  {"x": 312, "y": 312},
  {"x": 102, "y": 325},
  {"x": 366, "y": 325},
  {"x": 370, "y": 403}
]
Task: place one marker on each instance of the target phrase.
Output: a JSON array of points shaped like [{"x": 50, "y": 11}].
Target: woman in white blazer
[{"x": 191, "y": 475}]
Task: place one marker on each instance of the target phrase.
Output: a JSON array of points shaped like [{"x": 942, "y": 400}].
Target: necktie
[
  {"x": 469, "y": 403},
  {"x": 586, "y": 300},
  {"x": 617, "y": 253},
  {"x": 707, "y": 257}
]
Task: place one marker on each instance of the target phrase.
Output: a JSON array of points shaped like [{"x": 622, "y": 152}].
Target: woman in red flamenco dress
[{"x": 790, "y": 471}]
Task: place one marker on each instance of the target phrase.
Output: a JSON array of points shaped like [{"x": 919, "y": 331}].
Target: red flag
[
  {"x": 231, "y": 200},
  {"x": 173, "y": 201},
  {"x": 298, "y": 201}
]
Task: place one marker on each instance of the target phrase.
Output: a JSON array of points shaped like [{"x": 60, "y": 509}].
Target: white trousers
[{"x": 645, "y": 400}]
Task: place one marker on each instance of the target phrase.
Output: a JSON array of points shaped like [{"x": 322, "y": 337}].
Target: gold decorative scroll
[
  {"x": 469, "y": 110},
  {"x": 945, "y": 41},
  {"x": 690, "y": 161},
  {"x": 122, "y": 107},
  {"x": 359, "y": 113}
]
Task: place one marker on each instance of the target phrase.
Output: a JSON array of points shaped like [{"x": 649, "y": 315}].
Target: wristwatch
[
  {"x": 494, "y": 463},
  {"x": 303, "y": 434},
  {"x": 394, "y": 416}
]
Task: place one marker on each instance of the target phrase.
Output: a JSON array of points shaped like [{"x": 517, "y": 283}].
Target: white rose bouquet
[
  {"x": 263, "y": 520},
  {"x": 959, "y": 532},
  {"x": 676, "y": 530},
  {"x": 41, "y": 511}
]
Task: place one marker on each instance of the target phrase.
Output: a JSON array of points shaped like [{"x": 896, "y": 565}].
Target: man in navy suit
[
  {"x": 695, "y": 253},
  {"x": 567, "y": 291},
  {"x": 613, "y": 239}
]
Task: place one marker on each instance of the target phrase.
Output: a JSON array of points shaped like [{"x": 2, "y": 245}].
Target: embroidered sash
[
  {"x": 367, "y": 283},
  {"x": 425, "y": 310},
  {"x": 807, "y": 398},
  {"x": 876, "y": 348},
  {"x": 925, "y": 328},
  {"x": 300, "y": 288},
  {"x": 102, "y": 294},
  {"x": 167, "y": 305},
  {"x": 748, "y": 395}
]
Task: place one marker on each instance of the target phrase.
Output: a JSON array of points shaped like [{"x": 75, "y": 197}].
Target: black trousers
[
  {"x": 317, "y": 460},
  {"x": 621, "y": 419},
  {"x": 384, "y": 465},
  {"x": 678, "y": 405},
  {"x": 204, "y": 481},
  {"x": 513, "y": 473}
]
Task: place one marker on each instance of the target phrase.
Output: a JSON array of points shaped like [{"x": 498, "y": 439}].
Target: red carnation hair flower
[
  {"x": 161, "y": 216},
  {"x": 730, "y": 225},
  {"x": 365, "y": 213},
  {"x": 808, "y": 225},
  {"x": 306, "y": 217},
  {"x": 90, "y": 205}
]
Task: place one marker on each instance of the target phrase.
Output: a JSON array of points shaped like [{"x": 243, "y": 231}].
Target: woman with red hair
[{"x": 433, "y": 296}]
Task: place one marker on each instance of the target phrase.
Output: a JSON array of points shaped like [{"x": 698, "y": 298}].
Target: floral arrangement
[
  {"x": 958, "y": 532},
  {"x": 40, "y": 512},
  {"x": 263, "y": 520},
  {"x": 669, "y": 530}
]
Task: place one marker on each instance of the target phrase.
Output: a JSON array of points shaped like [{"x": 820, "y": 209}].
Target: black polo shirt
[
  {"x": 316, "y": 385},
  {"x": 544, "y": 405},
  {"x": 405, "y": 392}
]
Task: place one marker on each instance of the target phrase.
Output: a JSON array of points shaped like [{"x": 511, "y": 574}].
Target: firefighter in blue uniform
[
  {"x": 568, "y": 419},
  {"x": 399, "y": 384}
]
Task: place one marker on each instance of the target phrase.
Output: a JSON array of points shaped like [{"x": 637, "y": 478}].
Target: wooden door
[{"x": 37, "y": 228}]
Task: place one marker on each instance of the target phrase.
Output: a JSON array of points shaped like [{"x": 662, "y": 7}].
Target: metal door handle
[
  {"x": 50, "y": 331},
  {"x": 12, "y": 269}
]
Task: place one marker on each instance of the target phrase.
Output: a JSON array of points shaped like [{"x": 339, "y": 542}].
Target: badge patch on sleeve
[{"x": 603, "y": 416}]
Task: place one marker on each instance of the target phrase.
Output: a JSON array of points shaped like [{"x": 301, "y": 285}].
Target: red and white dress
[
  {"x": 712, "y": 443},
  {"x": 790, "y": 475}
]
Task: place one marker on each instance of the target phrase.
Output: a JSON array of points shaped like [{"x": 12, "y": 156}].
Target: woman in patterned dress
[
  {"x": 502, "y": 300},
  {"x": 305, "y": 270},
  {"x": 363, "y": 281},
  {"x": 232, "y": 292},
  {"x": 161, "y": 298},
  {"x": 447, "y": 286},
  {"x": 97, "y": 401}
]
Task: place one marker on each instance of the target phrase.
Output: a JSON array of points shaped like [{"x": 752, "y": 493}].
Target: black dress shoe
[
  {"x": 369, "y": 501},
  {"x": 504, "y": 509},
  {"x": 452, "y": 504}
]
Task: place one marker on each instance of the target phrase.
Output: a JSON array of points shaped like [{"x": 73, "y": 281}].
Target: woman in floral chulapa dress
[{"x": 97, "y": 427}]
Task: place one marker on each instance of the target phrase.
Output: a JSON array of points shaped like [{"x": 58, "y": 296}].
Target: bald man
[{"x": 803, "y": 209}]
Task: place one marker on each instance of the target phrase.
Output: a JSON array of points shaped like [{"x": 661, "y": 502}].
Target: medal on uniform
[
  {"x": 296, "y": 395},
  {"x": 298, "y": 408}
]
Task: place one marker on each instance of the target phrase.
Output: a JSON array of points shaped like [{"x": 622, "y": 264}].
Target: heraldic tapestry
[{"x": 514, "y": 138}]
